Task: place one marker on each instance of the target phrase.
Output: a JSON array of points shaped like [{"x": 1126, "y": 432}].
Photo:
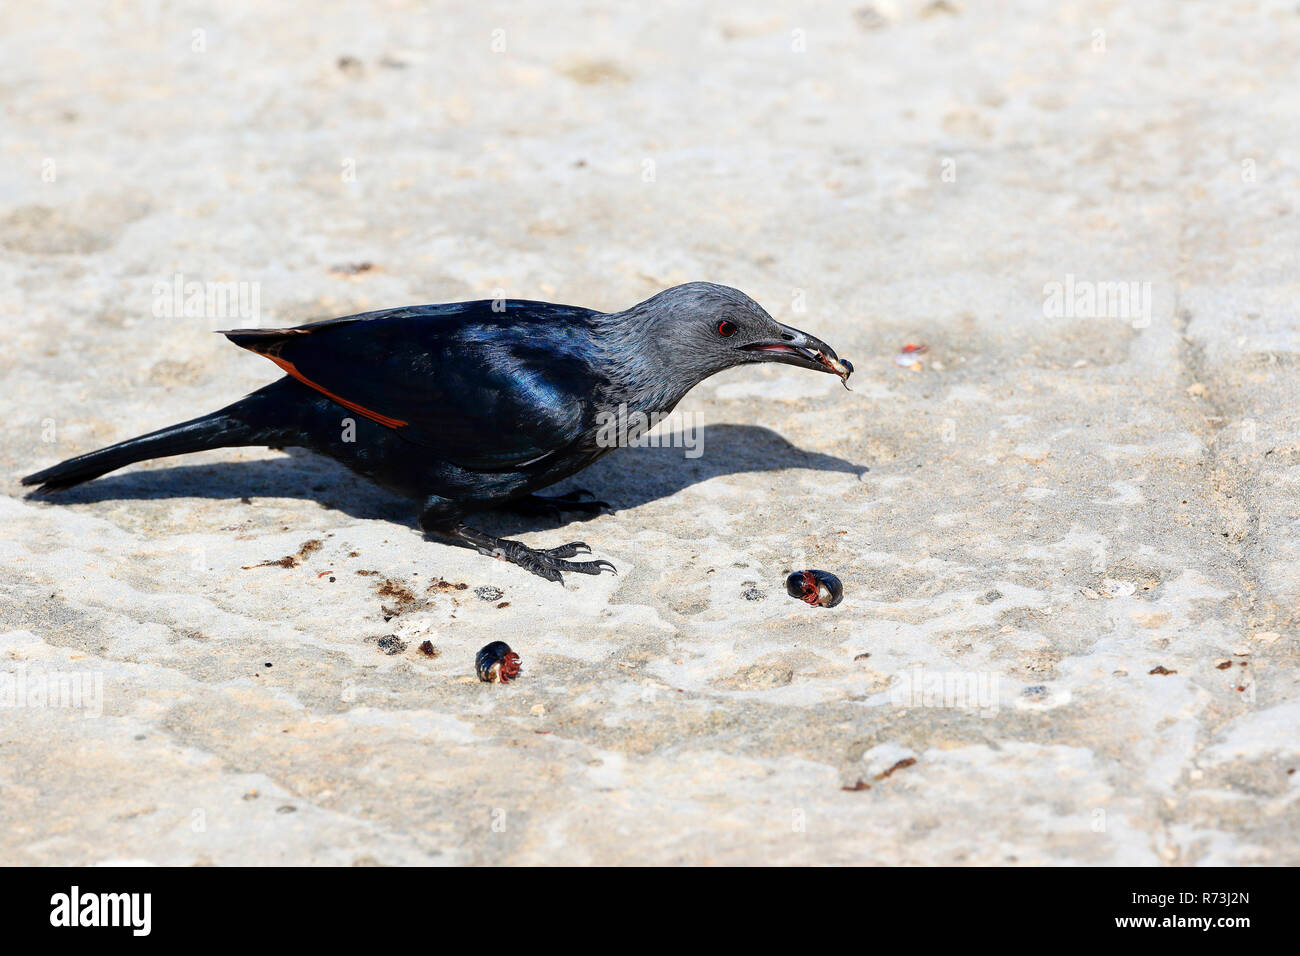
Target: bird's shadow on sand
[{"x": 626, "y": 478}]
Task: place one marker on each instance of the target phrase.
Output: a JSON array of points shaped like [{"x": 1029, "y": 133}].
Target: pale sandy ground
[{"x": 1054, "y": 507}]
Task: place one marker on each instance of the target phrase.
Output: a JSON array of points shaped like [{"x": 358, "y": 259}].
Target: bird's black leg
[
  {"x": 440, "y": 518},
  {"x": 552, "y": 506}
]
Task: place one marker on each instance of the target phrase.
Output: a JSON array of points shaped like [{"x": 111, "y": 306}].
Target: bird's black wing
[{"x": 484, "y": 388}]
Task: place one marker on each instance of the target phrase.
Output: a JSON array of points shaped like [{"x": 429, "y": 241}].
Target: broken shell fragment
[
  {"x": 815, "y": 587},
  {"x": 496, "y": 662},
  {"x": 909, "y": 357}
]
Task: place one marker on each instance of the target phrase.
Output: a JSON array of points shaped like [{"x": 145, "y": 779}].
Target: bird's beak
[{"x": 799, "y": 348}]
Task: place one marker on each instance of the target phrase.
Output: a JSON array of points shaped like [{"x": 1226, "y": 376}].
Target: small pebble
[
  {"x": 488, "y": 593},
  {"x": 391, "y": 644}
]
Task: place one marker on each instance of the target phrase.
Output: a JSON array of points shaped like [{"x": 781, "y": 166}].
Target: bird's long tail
[{"x": 221, "y": 429}]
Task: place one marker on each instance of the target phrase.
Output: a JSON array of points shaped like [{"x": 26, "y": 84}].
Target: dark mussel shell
[
  {"x": 815, "y": 587},
  {"x": 496, "y": 662}
]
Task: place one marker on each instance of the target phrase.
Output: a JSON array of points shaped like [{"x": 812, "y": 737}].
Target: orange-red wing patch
[{"x": 359, "y": 409}]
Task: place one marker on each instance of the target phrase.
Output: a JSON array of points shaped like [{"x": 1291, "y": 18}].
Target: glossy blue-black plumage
[{"x": 479, "y": 387}]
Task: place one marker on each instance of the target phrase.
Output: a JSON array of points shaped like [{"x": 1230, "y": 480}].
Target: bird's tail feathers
[{"x": 217, "y": 430}]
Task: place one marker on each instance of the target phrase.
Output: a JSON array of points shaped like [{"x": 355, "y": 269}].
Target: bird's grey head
[{"x": 673, "y": 341}]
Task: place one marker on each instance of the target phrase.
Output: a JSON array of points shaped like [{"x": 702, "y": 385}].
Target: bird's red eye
[{"x": 726, "y": 328}]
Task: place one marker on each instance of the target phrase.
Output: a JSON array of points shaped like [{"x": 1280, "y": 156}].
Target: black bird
[{"x": 477, "y": 405}]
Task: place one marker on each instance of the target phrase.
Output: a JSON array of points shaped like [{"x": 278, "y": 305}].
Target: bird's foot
[
  {"x": 552, "y": 506},
  {"x": 549, "y": 563},
  {"x": 569, "y": 550},
  {"x": 546, "y": 564}
]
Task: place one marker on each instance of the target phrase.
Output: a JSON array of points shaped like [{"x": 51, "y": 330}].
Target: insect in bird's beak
[
  {"x": 841, "y": 367},
  {"x": 807, "y": 351}
]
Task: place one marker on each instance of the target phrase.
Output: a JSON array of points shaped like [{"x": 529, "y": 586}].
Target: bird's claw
[
  {"x": 568, "y": 550},
  {"x": 548, "y": 563}
]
